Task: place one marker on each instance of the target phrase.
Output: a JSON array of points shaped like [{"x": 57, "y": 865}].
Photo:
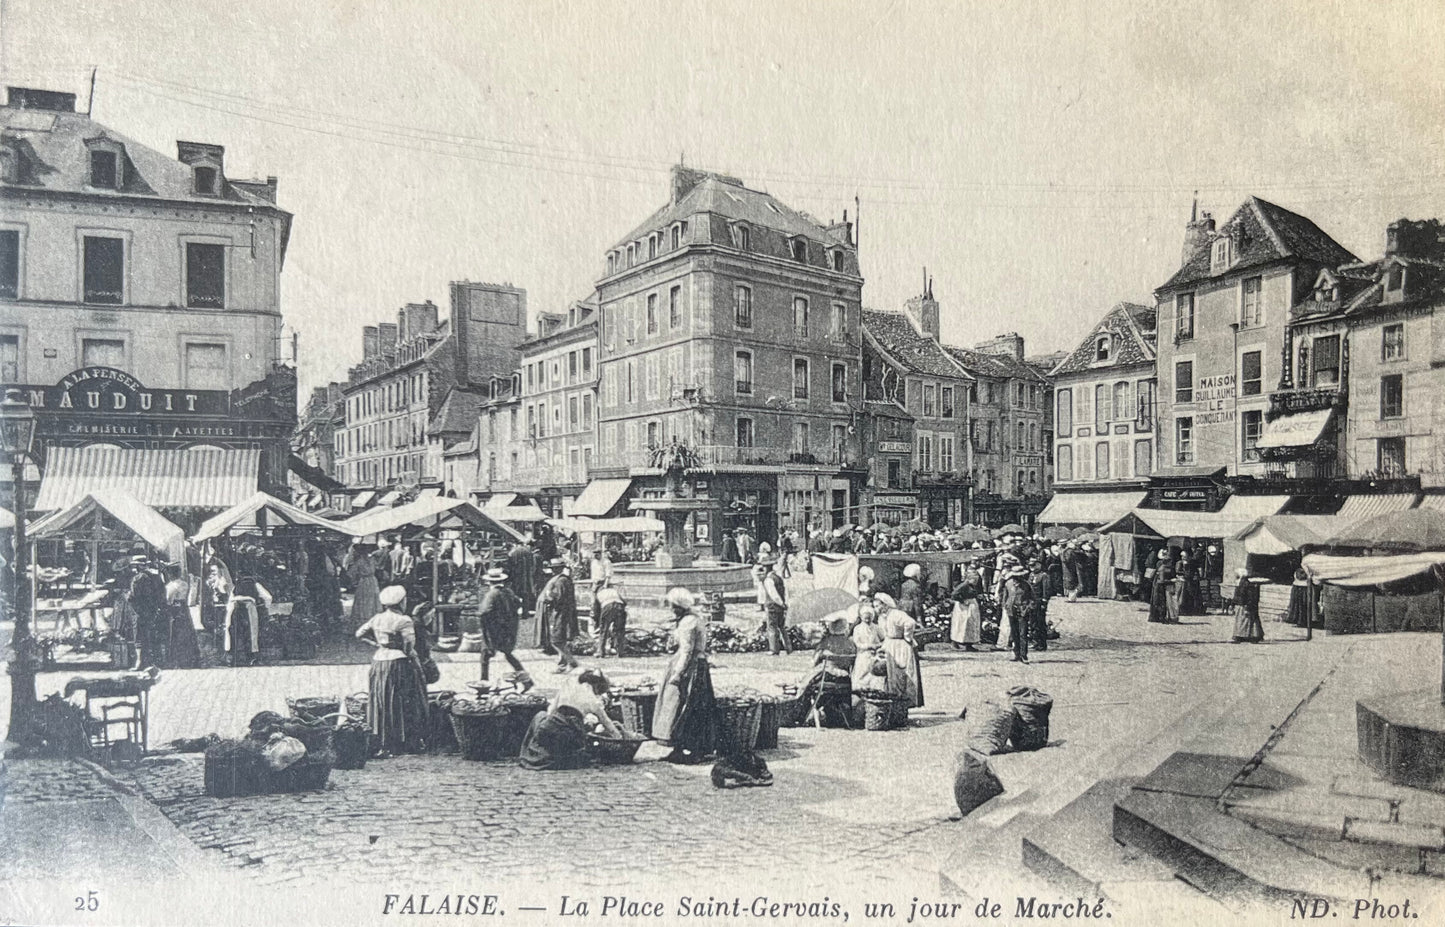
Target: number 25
[{"x": 87, "y": 902}]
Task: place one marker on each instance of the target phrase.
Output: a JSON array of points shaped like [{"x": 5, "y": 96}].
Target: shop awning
[
  {"x": 259, "y": 512},
  {"x": 1358, "y": 508},
  {"x": 1281, "y": 534},
  {"x": 435, "y": 512},
  {"x": 1165, "y": 523},
  {"x": 1089, "y": 508},
  {"x": 517, "y": 513},
  {"x": 313, "y": 475},
  {"x": 599, "y": 497},
  {"x": 390, "y": 498},
  {"x": 75, "y": 521},
  {"x": 1248, "y": 508},
  {"x": 630, "y": 524},
  {"x": 429, "y": 492},
  {"x": 206, "y": 478},
  {"x": 362, "y": 500},
  {"x": 1298, "y": 430}
]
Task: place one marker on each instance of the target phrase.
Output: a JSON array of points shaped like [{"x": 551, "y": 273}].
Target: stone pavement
[{"x": 848, "y": 810}]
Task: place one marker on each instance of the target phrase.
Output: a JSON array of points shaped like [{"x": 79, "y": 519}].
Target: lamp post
[{"x": 17, "y": 433}]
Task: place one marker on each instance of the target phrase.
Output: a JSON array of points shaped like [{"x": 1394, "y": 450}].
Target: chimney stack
[
  {"x": 683, "y": 180},
  {"x": 1009, "y": 344},
  {"x": 370, "y": 342},
  {"x": 415, "y": 319},
  {"x": 386, "y": 336},
  {"x": 52, "y": 101},
  {"x": 1197, "y": 233},
  {"x": 922, "y": 311}
]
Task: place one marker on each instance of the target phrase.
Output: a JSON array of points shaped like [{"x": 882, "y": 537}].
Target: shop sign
[
  {"x": 894, "y": 447},
  {"x": 894, "y": 500},
  {"x": 1211, "y": 399},
  {"x": 107, "y": 391},
  {"x": 1184, "y": 495}
]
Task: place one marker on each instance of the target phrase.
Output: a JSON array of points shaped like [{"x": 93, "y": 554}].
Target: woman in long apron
[
  {"x": 396, "y": 709},
  {"x": 361, "y": 569},
  {"x": 1247, "y": 626},
  {"x": 1163, "y": 585},
  {"x": 966, "y": 626},
  {"x": 685, "y": 718}
]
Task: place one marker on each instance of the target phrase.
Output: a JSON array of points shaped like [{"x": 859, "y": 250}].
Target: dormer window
[
  {"x": 9, "y": 165},
  {"x": 1219, "y": 256},
  {"x": 105, "y": 169},
  {"x": 206, "y": 180},
  {"x": 611, "y": 263},
  {"x": 837, "y": 260},
  {"x": 799, "y": 248},
  {"x": 1395, "y": 278},
  {"x": 631, "y": 255},
  {"x": 1103, "y": 349},
  {"x": 742, "y": 238},
  {"x": 677, "y": 236},
  {"x": 651, "y": 247}
]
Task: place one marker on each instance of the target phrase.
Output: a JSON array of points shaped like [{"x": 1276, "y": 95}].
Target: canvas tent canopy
[
  {"x": 432, "y": 512},
  {"x": 1089, "y": 508},
  {"x": 1238, "y": 513},
  {"x": 517, "y": 513},
  {"x": 87, "y": 518},
  {"x": 259, "y": 513}
]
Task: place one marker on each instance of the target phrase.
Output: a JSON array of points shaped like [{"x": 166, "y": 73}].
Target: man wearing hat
[
  {"x": 1042, "y": 585},
  {"x": 611, "y": 614},
  {"x": 499, "y": 613},
  {"x": 148, "y": 600},
  {"x": 776, "y": 605},
  {"x": 557, "y": 613},
  {"x": 1017, "y": 601}
]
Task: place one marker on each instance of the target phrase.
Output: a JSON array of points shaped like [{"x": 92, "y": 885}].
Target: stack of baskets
[
  {"x": 883, "y": 711},
  {"x": 521, "y": 709},
  {"x": 739, "y": 717},
  {"x": 481, "y": 729},
  {"x": 636, "y": 705}
]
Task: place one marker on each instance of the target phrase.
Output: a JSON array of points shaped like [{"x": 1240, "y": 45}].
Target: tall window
[
  {"x": 838, "y": 261},
  {"x": 1064, "y": 416},
  {"x": 800, "y": 250},
  {"x": 1184, "y": 440},
  {"x": 1122, "y": 405},
  {"x": 104, "y": 270},
  {"x": 571, "y": 366},
  {"x": 1184, "y": 381},
  {"x": 1391, "y": 456},
  {"x": 840, "y": 383},
  {"x": 102, "y": 352},
  {"x": 1064, "y": 462},
  {"x": 586, "y": 363},
  {"x": 653, "y": 434},
  {"x": 206, "y": 367},
  {"x": 586, "y": 410},
  {"x": 800, "y": 378},
  {"x": 1251, "y": 373},
  {"x": 800, "y": 438},
  {"x": 1250, "y": 428},
  {"x": 1326, "y": 361},
  {"x": 676, "y": 237},
  {"x": 1392, "y": 343},
  {"x": 1395, "y": 278},
  {"x": 674, "y": 307},
  {"x": 651, "y": 247},
  {"x": 1102, "y": 407},
  {"x": 1101, "y": 460},
  {"x": 104, "y": 170},
  {"x": 925, "y": 453},
  {"x": 895, "y": 474},
  {"x": 1019, "y": 437},
  {"x": 1184, "y": 316},
  {"x": 652, "y": 313},
  {"x": 1144, "y": 420},
  {"x": 930, "y": 406},
  {"x": 745, "y": 432},
  {"x": 742, "y": 237},
  {"x": 9, "y": 358},
  {"x": 840, "y": 443},
  {"x": 837, "y": 321},
  {"x": 1392, "y": 396},
  {"x": 1143, "y": 458},
  {"x": 1251, "y": 306},
  {"x": 800, "y": 316},
  {"x": 743, "y": 307},
  {"x": 743, "y": 372},
  {"x": 945, "y": 453},
  {"x": 631, "y": 382},
  {"x": 574, "y": 417},
  {"x": 945, "y": 395},
  {"x": 9, "y": 263}
]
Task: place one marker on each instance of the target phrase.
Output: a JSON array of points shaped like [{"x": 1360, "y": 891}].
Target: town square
[{"x": 904, "y": 462}]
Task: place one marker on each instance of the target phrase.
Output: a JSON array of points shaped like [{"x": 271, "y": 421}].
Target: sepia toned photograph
[{"x": 899, "y": 462}]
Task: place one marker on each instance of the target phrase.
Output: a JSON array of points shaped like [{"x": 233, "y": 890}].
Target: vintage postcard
[{"x": 733, "y": 463}]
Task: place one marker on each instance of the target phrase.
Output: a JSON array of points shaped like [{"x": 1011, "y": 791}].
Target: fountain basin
[{"x": 647, "y": 584}]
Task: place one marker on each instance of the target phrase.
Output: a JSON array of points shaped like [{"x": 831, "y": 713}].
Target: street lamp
[{"x": 17, "y": 433}]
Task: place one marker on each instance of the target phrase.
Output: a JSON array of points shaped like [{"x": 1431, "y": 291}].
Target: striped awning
[
  {"x": 1358, "y": 508},
  {"x": 203, "y": 478},
  {"x": 1089, "y": 508},
  {"x": 599, "y": 498}
]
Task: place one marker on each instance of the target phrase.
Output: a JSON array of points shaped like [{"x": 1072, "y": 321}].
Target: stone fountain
[{"x": 674, "y": 563}]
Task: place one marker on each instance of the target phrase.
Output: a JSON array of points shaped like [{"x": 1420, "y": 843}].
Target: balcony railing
[{"x": 1291, "y": 401}]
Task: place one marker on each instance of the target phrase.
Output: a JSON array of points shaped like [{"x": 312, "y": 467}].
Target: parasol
[
  {"x": 816, "y": 605},
  {"x": 1006, "y": 530}
]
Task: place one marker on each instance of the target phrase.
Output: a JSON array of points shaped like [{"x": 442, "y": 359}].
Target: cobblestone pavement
[{"x": 846, "y": 806}]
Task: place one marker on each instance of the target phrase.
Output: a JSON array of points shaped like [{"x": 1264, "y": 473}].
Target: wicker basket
[
  {"x": 637, "y": 709},
  {"x": 738, "y": 719},
  {"x": 230, "y": 776},
  {"x": 311, "y": 708},
  {"x": 440, "y": 737},
  {"x": 615, "y": 751},
  {"x": 356, "y": 705},
  {"x": 352, "y": 743},
  {"x": 793, "y": 710},
  {"x": 520, "y": 712},
  {"x": 881, "y": 711},
  {"x": 481, "y": 735},
  {"x": 770, "y": 718},
  {"x": 305, "y": 775}
]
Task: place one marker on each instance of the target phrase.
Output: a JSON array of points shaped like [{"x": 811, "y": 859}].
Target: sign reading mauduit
[{"x": 108, "y": 391}]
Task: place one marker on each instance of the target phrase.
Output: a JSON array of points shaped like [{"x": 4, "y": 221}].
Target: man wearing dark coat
[
  {"x": 521, "y": 573},
  {"x": 499, "y": 613},
  {"x": 1042, "y": 585},
  {"x": 148, "y": 600},
  {"x": 557, "y": 614},
  {"x": 730, "y": 549}
]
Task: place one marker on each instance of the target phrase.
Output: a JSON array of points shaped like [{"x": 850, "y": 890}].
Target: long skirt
[
  {"x": 183, "y": 651},
  {"x": 686, "y": 714},
  {"x": 1191, "y": 601},
  {"x": 1299, "y": 605},
  {"x": 366, "y": 600},
  {"x": 556, "y": 740},
  {"x": 1173, "y": 599},
  {"x": 396, "y": 708},
  {"x": 1159, "y": 602},
  {"x": 1247, "y": 626},
  {"x": 324, "y": 595},
  {"x": 831, "y": 689},
  {"x": 966, "y": 626},
  {"x": 904, "y": 678}
]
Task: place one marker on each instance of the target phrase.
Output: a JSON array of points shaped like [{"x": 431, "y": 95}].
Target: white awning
[
  {"x": 363, "y": 499},
  {"x": 1252, "y": 507},
  {"x": 500, "y": 501},
  {"x": 630, "y": 524},
  {"x": 517, "y": 513},
  {"x": 137, "y": 517},
  {"x": 1298, "y": 430},
  {"x": 434, "y": 512},
  {"x": 1358, "y": 508},
  {"x": 207, "y": 478},
  {"x": 259, "y": 512},
  {"x": 1089, "y": 508},
  {"x": 598, "y": 498}
]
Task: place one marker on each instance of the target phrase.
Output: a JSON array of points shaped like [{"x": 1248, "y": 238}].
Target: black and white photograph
[{"x": 898, "y": 462}]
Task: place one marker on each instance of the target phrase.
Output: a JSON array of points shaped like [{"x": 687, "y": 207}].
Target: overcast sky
[{"x": 1038, "y": 158}]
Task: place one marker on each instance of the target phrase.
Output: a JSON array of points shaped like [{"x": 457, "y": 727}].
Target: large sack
[
  {"x": 973, "y": 781},
  {"x": 281, "y": 751},
  {"x": 989, "y": 727},
  {"x": 1031, "y": 717}
]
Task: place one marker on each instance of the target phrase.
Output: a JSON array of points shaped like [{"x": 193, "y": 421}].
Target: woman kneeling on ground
[{"x": 559, "y": 737}]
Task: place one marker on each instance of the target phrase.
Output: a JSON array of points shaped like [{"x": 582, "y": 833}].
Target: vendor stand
[{"x": 442, "y": 520}]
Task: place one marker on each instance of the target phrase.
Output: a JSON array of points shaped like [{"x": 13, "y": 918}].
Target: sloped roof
[
  {"x": 994, "y": 366},
  {"x": 55, "y": 156},
  {"x": 726, "y": 196},
  {"x": 1362, "y": 288},
  {"x": 458, "y": 412},
  {"x": 1267, "y": 233},
  {"x": 893, "y": 332},
  {"x": 1132, "y": 327}
]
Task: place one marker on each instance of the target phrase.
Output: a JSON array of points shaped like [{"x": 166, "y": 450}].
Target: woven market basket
[
  {"x": 481, "y": 733},
  {"x": 356, "y": 705},
  {"x": 230, "y": 776},
  {"x": 440, "y": 737},
  {"x": 637, "y": 709},
  {"x": 738, "y": 721},
  {"x": 881, "y": 711},
  {"x": 352, "y": 743},
  {"x": 311, "y": 708},
  {"x": 615, "y": 751},
  {"x": 520, "y": 712},
  {"x": 793, "y": 710},
  {"x": 305, "y": 775},
  {"x": 770, "y": 718}
]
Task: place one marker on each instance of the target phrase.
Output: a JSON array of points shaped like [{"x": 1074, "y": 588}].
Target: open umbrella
[
  {"x": 1057, "y": 533},
  {"x": 1008, "y": 529},
  {"x": 816, "y": 605}
]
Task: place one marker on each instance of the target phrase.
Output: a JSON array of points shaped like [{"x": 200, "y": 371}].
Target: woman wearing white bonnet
[{"x": 685, "y": 718}]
